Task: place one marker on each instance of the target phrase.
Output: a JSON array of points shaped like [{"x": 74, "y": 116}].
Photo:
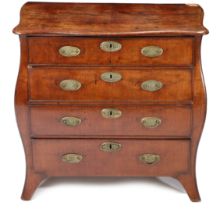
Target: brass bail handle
[
  {"x": 72, "y": 158},
  {"x": 71, "y": 121},
  {"x": 69, "y": 51},
  {"x": 151, "y": 85},
  {"x": 70, "y": 85},
  {"x": 149, "y": 158},
  {"x": 151, "y": 122},
  {"x": 152, "y": 51}
]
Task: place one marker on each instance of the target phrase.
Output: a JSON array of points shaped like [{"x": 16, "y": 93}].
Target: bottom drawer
[{"x": 111, "y": 158}]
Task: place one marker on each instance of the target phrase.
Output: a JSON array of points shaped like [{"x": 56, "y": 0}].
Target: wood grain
[
  {"x": 44, "y": 84},
  {"x": 45, "y": 121},
  {"x": 32, "y": 179},
  {"x": 173, "y": 158},
  {"x": 40, "y": 103},
  {"x": 90, "y": 19},
  {"x": 199, "y": 115},
  {"x": 176, "y": 51}
]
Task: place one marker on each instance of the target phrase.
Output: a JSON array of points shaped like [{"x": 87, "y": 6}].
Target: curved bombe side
[
  {"x": 188, "y": 180},
  {"x": 33, "y": 179}
]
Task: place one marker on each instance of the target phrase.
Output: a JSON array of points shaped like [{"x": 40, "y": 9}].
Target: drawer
[
  {"x": 111, "y": 51},
  {"x": 110, "y": 121},
  {"x": 108, "y": 83},
  {"x": 128, "y": 158}
]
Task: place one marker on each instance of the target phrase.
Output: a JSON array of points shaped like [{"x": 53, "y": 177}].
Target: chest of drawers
[{"x": 110, "y": 90}]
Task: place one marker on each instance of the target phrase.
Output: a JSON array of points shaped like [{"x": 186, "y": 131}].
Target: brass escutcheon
[
  {"x": 110, "y": 46},
  {"x": 111, "y": 113},
  {"x": 72, "y": 158},
  {"x": 110, "y": 147},
  {"x": 69, "y": 51},
  {"x": 152, "y": 51},
  {"x": 111, "y": 77},
  {"x": 151, "y": 122},
  {"x": 151, "y": 85},
  {"x": 70, "y": 85},
  {"x": 149, "y": 158},
  {"x": 71, "y": 121}
]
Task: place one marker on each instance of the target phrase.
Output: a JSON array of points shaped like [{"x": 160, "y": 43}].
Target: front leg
[
  {"x": 32, "y": 181},
  {"x": 190, "y": 185}
]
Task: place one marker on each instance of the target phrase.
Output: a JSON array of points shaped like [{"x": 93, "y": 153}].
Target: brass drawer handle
[
  {"x": 152, "y": 51},
  {"x": 111, "y": 77},
  {"x": 70, "y": 85},
  {"x": 149, "y": 158},
  {"x": 110, "y": 147},
  {"x": 151, "y": 122},
  {"x": 72, "y": 158},
  {"x": 110, "y": 46},
  {"x": 111, "y": 113},
  {"x": 151, "y": 85},
  {"x": 69, "y": 51},
  {"x": 71, "y": 121}
]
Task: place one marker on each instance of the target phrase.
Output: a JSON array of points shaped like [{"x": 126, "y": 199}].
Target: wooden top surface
[{"x": 98, "y": 19}]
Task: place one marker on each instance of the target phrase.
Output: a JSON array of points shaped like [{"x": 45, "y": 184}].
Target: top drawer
[{"x": 111, "y": 51}]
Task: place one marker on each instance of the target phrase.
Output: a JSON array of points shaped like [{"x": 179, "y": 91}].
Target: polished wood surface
[
  {"x": 83, "y": 19},
  {"x": 173, "y": 158},
  {"x": 46, "y": 121},
  {"x": 45, "y": 84},
  {"x": 33, "y": 179},
  {"x": 199, "y": 114},
  {"x": 40, "y": 103},
  {"x": 176, "y": 51}
]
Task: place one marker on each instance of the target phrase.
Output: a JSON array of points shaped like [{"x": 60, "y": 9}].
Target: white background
[{"x": 75, "y": 193}]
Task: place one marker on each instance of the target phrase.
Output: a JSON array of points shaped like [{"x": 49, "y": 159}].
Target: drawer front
[
  {"x": 110, "y": 121},
  {"x": 110, "y": 84},
  {"x": 123, "y": 51},
  {"x": 87, "y": 158}
]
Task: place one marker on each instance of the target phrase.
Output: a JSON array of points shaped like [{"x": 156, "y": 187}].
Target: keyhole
[
  {"x": 110, "y": 113},
  {"x": 110, "y": 76},
  {"x": 110, "y": 45},
  {"x": 110, "y": 146}
]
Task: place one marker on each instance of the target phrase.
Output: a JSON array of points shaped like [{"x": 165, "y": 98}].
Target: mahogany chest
[{"x": 110, "y": 90}]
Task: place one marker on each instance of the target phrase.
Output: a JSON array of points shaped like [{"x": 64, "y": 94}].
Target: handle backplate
[
  {"x": 70, "y": 85},
  {"x": 69, "y": 51},
  {"x": 151, "y": 122},
  {"x": 71, "y": 121},
  {"x": 151, "y": 85},
  {"x": 72, "y": 158},
  {"x": 152, "y": 51},
  {"x": 149, "y": 158}
]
